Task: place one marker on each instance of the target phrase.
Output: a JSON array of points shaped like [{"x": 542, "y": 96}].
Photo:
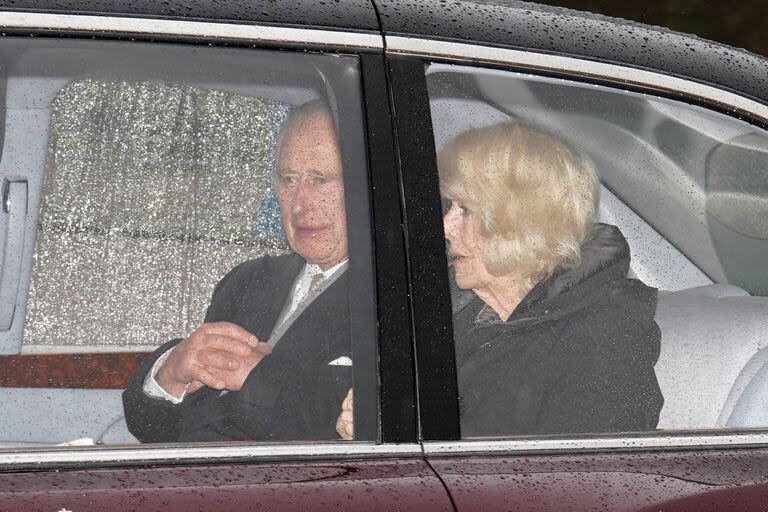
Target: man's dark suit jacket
[{"x": 292, "y": 394}]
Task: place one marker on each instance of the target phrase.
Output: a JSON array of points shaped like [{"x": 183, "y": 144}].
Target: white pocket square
[{"x": 342, "y": 361}]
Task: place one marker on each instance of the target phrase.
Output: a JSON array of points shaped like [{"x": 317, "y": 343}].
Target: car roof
[
  {"x": 497, "y": 23},
  {"x": 356, "y": 15},
  {"x": 527, "y": 26}
]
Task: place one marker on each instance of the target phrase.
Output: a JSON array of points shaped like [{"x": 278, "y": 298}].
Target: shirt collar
[{"x": 310, "y": 269}]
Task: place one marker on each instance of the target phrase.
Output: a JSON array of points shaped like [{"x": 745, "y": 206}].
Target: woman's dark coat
[{"x": 576, "y": 355}]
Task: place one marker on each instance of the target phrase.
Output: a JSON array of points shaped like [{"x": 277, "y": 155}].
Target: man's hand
[
  {"x": 218, "y": 355},
  {"x": 345, "y": 425}
]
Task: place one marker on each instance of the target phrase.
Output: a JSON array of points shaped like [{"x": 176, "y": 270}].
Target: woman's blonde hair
[{"x": 536, "y": 197}]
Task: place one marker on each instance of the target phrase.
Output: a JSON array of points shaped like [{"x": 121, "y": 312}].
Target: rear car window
[{"x": 607, "y": 253}]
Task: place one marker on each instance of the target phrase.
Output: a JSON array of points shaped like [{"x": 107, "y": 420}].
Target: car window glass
[
  {"x": 128, "y": 193},
  {"x": 558, "y": 324},
  {"x": 156, "y": 192}
]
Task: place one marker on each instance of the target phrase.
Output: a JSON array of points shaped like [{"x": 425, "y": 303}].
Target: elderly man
[{"x": 272, "y": 360}]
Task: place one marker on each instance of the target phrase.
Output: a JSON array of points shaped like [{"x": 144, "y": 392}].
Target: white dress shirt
[{"x": 299, "y": 292}]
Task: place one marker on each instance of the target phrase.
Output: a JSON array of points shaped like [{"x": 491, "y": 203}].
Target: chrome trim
[
  {"x": 593, "y": 445},
  {"x": 238, "y": 452},
  {"x": 622, "y": 75},
  {"x": 157, "y": 27}
]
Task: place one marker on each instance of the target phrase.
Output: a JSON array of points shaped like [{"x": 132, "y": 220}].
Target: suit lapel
[
  {"x": 281, "y": 329},
  {"x": 319, "y": 334},
  {"x": 267, "y": 294}
]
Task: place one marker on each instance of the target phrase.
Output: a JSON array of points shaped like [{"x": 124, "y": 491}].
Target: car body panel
[
  {"x": 356, "y": 15},
  {"x": 348, "y": 485},
  {"x": 621, "y": 482}
]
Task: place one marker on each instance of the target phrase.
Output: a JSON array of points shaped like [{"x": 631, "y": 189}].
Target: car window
[
  {"x": 193, "y": 199},
  {"x": 607, "y": 255}
]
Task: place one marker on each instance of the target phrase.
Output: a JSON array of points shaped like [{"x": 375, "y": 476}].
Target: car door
[
  {"x": 137, "y": 169},
  {"x": 657, "y": 113}
]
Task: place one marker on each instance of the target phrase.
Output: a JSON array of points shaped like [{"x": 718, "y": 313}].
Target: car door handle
[{"x": 15, "y": 208}]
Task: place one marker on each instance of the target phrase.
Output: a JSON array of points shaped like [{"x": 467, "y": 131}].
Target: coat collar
[
  {"x": 605, "y": 253},
  {"x": 604, "y": 257}
]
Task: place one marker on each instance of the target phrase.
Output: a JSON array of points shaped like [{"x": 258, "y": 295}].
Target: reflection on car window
[
  {"x": 191, "y": 231},
  {"x": 557, "y": 328},
  {"x": 140, "y": 175}
]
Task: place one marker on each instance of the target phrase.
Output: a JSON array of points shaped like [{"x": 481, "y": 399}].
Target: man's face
[{"x": 310, "y": 189}]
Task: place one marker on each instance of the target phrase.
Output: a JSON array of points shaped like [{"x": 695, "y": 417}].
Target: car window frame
[
  {"x": 395, "y": 409},
  {"x": 405, "y": 55}
]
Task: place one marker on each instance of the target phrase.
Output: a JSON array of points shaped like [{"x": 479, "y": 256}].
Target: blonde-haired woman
[{"x": 554, "y": 338}]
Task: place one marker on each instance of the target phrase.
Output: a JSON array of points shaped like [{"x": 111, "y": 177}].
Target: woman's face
[{"x": 463, "y": 230}]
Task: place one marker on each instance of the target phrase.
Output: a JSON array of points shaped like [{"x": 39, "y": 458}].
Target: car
[{"x": 138, "y": 143}]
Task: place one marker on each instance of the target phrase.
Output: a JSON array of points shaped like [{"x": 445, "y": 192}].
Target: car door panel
[
  {"x": 684, "y": 95},
  {"x": 343, "y": 484},
  {"x": 355, "y": 14},
  {"x": 666, "y": 481},
  {"x": 196, "y": 478}
]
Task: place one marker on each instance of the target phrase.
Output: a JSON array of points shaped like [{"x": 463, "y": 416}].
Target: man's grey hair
[{"x": 305, "y": 111}]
